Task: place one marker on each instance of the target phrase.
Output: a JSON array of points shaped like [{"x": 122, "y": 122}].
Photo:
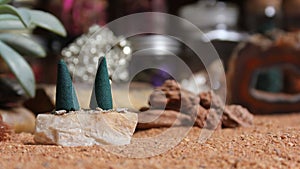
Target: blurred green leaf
[
  {"x": 10, "y": 22},
  {"x": 10, "y": 25},
  {"x": 19, "y": 67},
  {"x": 22, "y": 44},
  {"x": 4, "y": 1},
  {"x": 8, "y": 17},
  {"x": 47, "y": 21},
  {"x": 23, "y": 15}
]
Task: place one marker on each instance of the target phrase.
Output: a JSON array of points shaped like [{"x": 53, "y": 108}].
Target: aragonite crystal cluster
[
  {"x": 171, "y": 105},
  {"x": 71, "y": 126}
]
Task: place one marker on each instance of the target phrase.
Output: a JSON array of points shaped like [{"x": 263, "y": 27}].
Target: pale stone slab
[{"x": 86, "y": 128}]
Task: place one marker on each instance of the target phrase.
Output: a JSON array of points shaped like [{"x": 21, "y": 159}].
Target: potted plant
[{"x": 16, "y": 24}]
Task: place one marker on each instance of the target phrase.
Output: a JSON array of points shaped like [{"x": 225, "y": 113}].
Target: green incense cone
[
  {"x": 66, "y": 98},
  {"x": 93, "y": 101},
  {"x": 102, "y": 87}
]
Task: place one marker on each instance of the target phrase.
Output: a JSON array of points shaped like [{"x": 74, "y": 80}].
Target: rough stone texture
[
  {"x": 209, "y": 119},
  {"x": 171, "y": 96},
  {"x": 235, "y": 116},
  {"x": 213, "y": 119},
  {"x": 162, "y": 118},
  {"x": 201, "y": 117},
  {"x": 176, "y": 106},
  {"x": 210, "y": 100},
  {"x": 86, "y": 128}
]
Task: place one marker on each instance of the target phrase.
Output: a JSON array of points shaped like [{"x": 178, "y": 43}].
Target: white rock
[{"x": 86, "y": 128}]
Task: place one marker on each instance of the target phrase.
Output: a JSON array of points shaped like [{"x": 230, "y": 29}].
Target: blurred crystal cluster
[{"x": 83, "y": 54}]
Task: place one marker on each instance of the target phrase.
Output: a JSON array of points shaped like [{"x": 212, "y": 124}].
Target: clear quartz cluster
[{"x": 83, "y": 54}]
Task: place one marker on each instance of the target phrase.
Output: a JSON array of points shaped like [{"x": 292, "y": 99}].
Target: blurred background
[{"x": 226, "y": 23}]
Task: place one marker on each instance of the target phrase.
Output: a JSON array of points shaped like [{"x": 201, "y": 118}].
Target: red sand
[{"x": 272, "y": 142}]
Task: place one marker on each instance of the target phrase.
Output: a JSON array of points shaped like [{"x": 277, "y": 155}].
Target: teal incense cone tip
[
  {"x": 102, "y": 87},
  {"x": 66, "y": 98}
]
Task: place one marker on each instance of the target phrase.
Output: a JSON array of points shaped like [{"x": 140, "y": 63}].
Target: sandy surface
[{"x": 273, "y": 142}]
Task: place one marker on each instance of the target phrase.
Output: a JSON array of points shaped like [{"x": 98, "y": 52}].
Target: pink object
[
  {"x": 79, "y": 15},
  {"x": 67, "y": 5}
]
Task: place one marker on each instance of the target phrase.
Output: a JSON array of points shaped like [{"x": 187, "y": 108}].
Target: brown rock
[
  {"x": 210, "y": 100},
  {"x": 209, "y": 119},
  {"x": 213, "y": 119},
  {"x": 156, "y": 118},
  {"x": 201, "y": 117},
  {"x": 171, "y": 97},
  {"x": 174, "y": 106},
  {"x": 235, "y": 116},
  {"x": 162, "y": 118}
]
